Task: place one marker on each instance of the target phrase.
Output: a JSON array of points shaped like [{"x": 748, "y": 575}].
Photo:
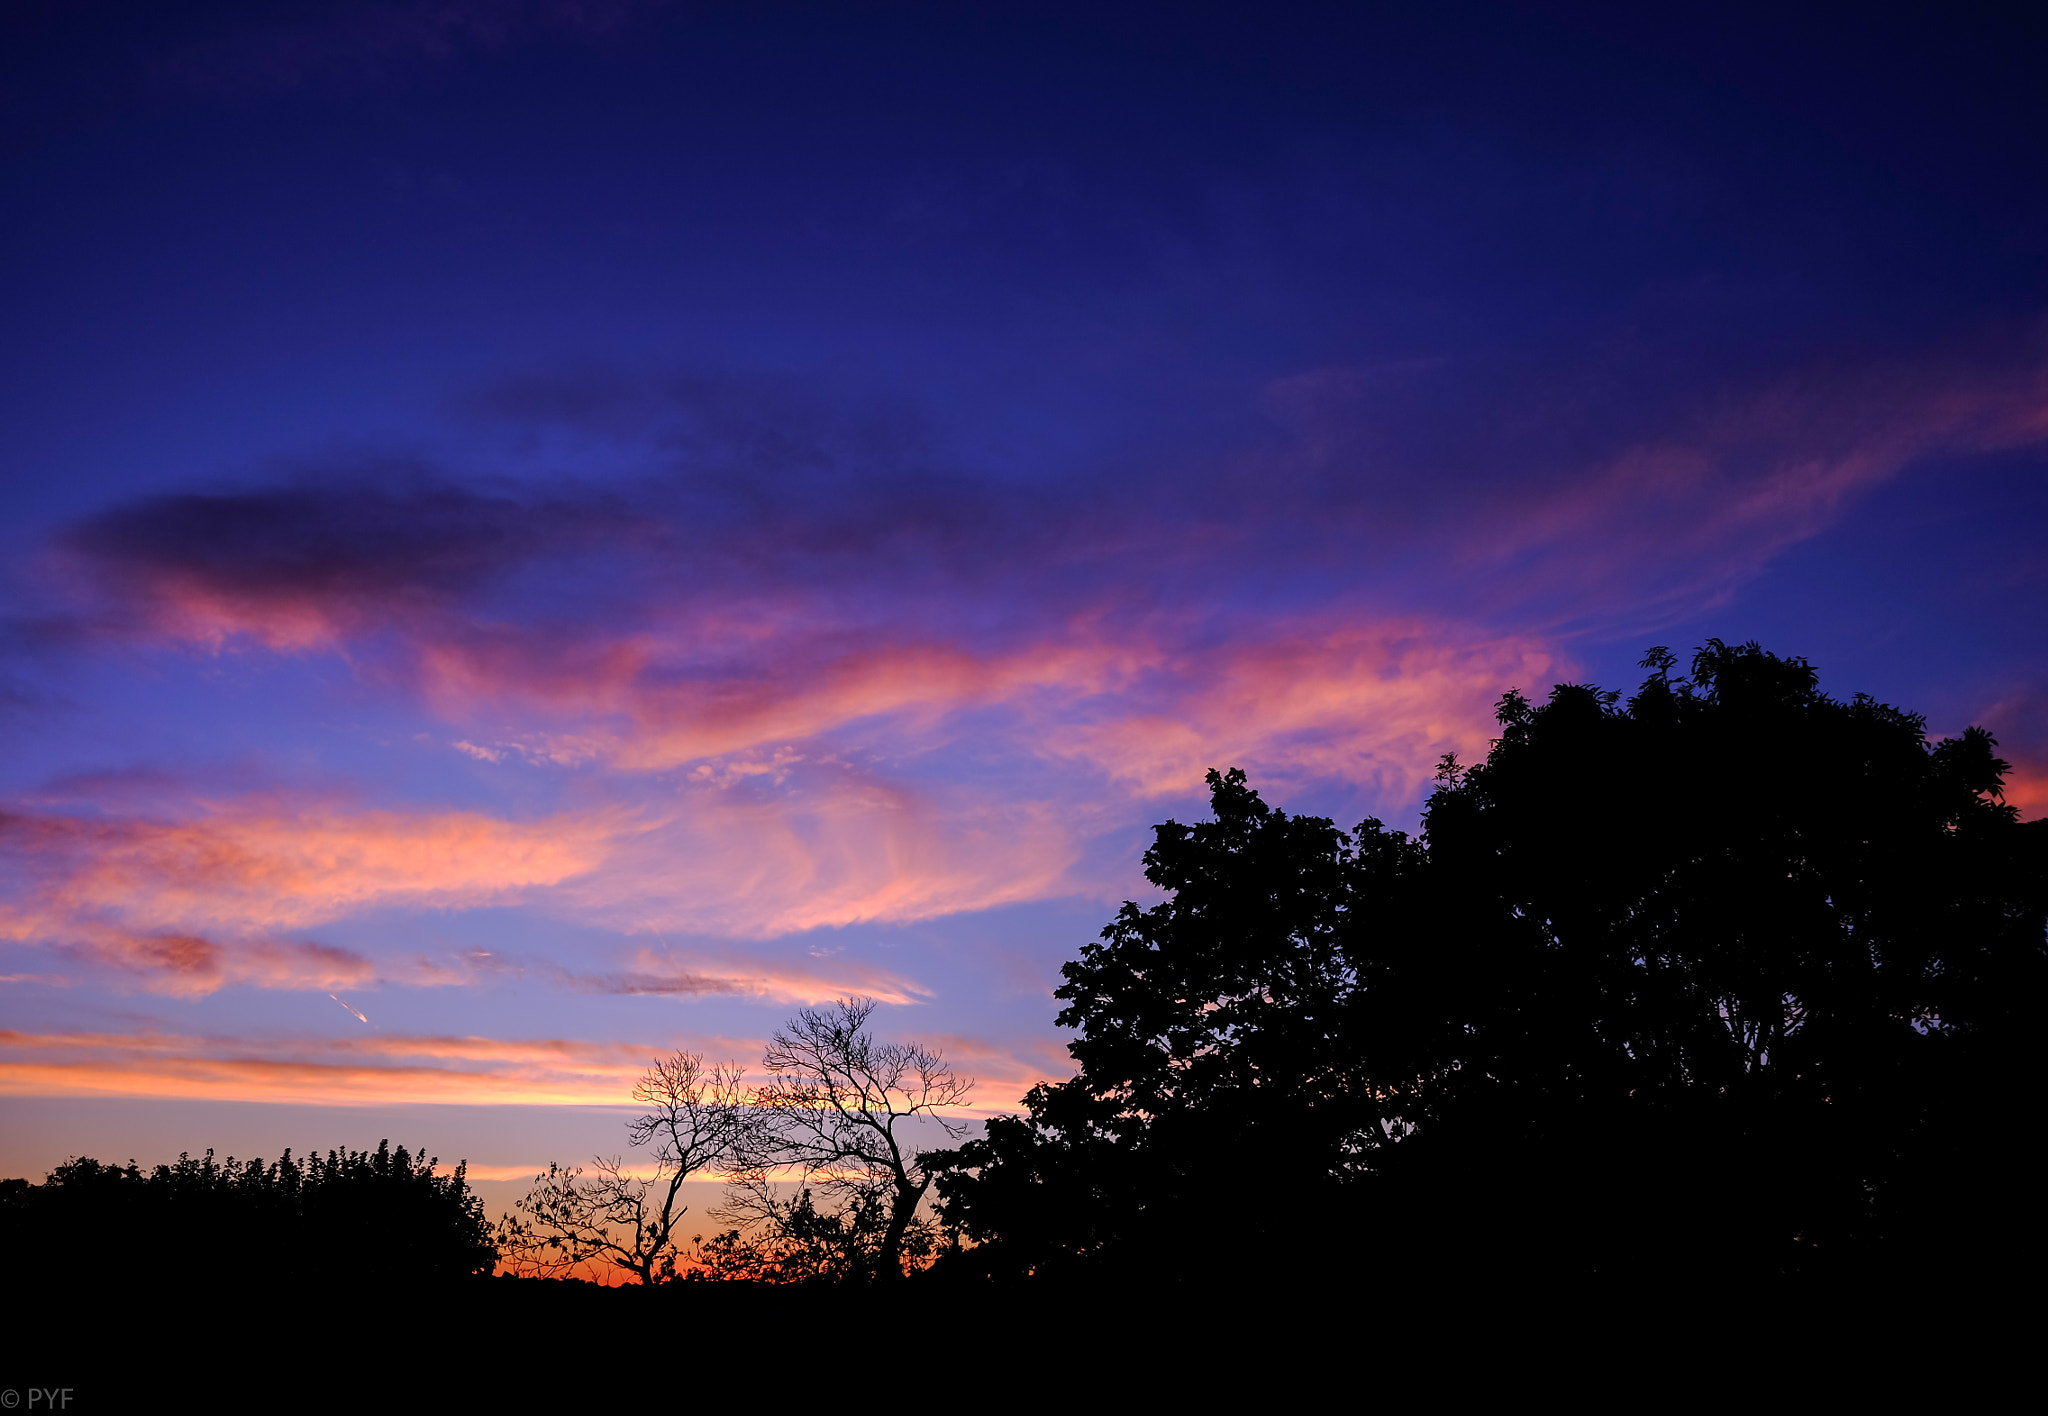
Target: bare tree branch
[
  {"x": 838, "y": 1109},
  {"x": 574, "y": 1217}
]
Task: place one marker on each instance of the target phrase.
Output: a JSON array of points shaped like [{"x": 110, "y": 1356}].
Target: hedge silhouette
[{"x": 346, "y": 1219}]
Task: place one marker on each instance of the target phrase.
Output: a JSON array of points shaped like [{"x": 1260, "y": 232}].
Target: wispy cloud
[
  {"x": 787, "y": 796},
  {"x": 1675, "y": 522},
  {"x": 188, "y": 905},
  {"x": 356, "y": 1071},
  {"x": 1368, "y": 704},
  {"x": 1589, "y": 497},
  {"x": 670, "y": 973}
]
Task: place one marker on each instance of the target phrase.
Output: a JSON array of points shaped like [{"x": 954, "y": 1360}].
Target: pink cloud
[
  {"x": 1361, "y": 699},
  {"x": 187, "y": 965},
  {"x": 779, "y": 832},
  {"x": 261, "y": 864},
  {"x": 186, "y": 906},
  {"x": 766, "y": 688},
  {"x": 1676, "y": 521},
  {"x": 1374, "y": 704},
  {"x": 781, "y": 802},
  {"x": 669, "y": 973},
  {"x": 834, "y": 846}
]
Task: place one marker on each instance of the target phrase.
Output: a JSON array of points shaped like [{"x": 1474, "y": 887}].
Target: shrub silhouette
[{"x": 348, "y": 1218}]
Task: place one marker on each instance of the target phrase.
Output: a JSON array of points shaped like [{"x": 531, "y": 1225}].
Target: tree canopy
[{"x": 1732, "y": 968}]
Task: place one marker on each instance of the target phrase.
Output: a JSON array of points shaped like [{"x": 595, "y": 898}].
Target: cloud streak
[
  {"x": 186, "y": 907},
  {"x": 387, "y": 1069},
  {"x": 1519, "y": 493},
  {"x": 356, "y": 1071}
]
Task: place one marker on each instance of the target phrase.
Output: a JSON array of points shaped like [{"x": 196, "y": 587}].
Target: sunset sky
[{"x": 538, "y": 532}]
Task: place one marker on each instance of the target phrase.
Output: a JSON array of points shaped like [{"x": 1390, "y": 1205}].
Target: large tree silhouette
[{"x": 1730, "y": 973}]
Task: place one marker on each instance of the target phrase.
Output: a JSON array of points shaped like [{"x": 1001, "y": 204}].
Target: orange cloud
[
  {"x": 2026, "y": 787},
  {"x": 665, "y": 973},
  {"x": 352, "y": 1072}
]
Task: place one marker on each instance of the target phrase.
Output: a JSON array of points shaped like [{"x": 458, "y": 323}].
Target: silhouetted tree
[
  {"x": 604, "y": 1216},
  {"x": 1742, "y": 964},
  {"x": 1732, "y": 969},
  {"x": 839, "y": 1112},
  {"x": 1214, "y": 1038}
]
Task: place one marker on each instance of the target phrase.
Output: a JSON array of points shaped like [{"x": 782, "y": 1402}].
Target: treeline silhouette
[
  {"x": 1727, "y": 984},
  {"x": 349, "y": 1218}
]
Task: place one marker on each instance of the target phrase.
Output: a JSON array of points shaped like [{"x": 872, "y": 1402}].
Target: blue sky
[{"x": 576, "y": 528}]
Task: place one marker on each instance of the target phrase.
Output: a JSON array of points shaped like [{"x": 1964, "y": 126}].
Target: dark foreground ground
[{"x": 304, "y": 1341}]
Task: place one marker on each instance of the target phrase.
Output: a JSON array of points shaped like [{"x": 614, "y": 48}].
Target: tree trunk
[{"x": 901, "y": 1213}]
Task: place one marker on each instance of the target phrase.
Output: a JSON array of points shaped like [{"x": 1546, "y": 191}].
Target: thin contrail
[{"x": 351, "y": 1007}]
